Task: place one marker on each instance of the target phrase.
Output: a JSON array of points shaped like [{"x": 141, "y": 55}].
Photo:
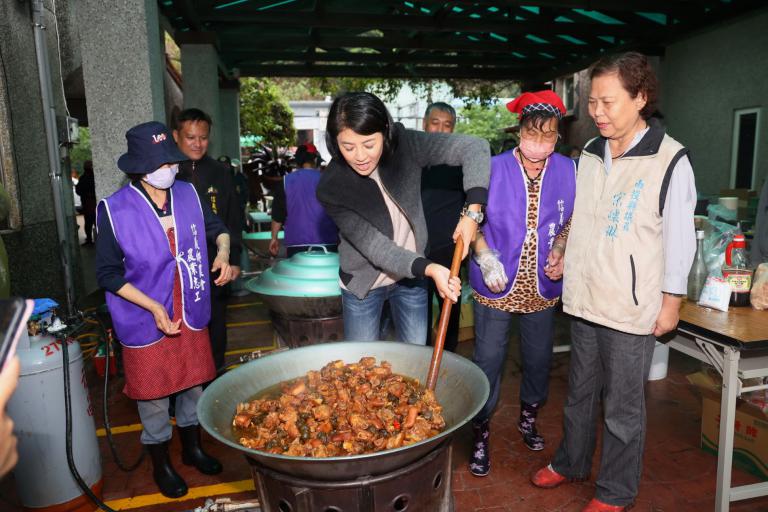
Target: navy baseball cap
[{"x": 150, "y": 145}]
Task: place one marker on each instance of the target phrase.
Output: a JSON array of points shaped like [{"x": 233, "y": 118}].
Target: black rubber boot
[
  {"x": 527, "y": 426},
  {"x": 192, "y": 453},
  {"x": 480, "y": 460},
  {"x": 167, "y": 479}
]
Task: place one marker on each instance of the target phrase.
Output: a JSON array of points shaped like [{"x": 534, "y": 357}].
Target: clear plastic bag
[
  {"x": 718, "y": 213},
  {"x": 716, "y": 294},
  {"x": 714, "y": 245},
  {"x": 758, "y": 297}
]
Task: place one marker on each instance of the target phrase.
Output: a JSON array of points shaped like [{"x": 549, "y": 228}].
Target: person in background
[
  {"x": 760, "y": 240},
  {"x": 152, "y": 260},
  {"x": 630, "y": 248},
  {"x": 372, "y": 191},
  {"x": 213, "y": 182},
  {"x": 252, "y": 171},
  {"x": 516, "y": 271},
  {"x": 239, "y": 181},
  {"x": 443, "y": 197},
  {"x": 295, "y": 206},
  {"x": 86, "y": 189}
]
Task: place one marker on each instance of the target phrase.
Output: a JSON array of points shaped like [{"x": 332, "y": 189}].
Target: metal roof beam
[
  {"x": 387, "y": 72},
  {"x": 390, "y": 42},
  {"x": 560, "y": 68},
  {"x": 597, "y": 5},
  {"x": 424, "y": 24},
  {"x": 260, "y": 56}
]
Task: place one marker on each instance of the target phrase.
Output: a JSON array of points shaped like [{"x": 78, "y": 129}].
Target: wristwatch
[{"x": 478, "y": 217}]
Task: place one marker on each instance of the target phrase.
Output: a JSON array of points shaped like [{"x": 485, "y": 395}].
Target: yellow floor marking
[
  {"x": 206, "y": 491},
  {"x": 249, "y": 350},
  {"x": 101, "y": 432},
  {"x": 244, "y": 305},
  {"x": 136, "y": 427},
  {"x": 247, "y": 324}
]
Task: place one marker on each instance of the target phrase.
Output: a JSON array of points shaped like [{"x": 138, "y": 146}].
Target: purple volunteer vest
[
  {"x": 151, "y": 267},
  {"x": 306, "y": 222},
  {"x": 507, "y": 210}
]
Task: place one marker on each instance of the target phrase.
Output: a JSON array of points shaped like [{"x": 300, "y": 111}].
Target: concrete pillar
[
  {"x": 200, "y": 74},
  {"x": 229, "y": 126},
  {"x": 30, "y": 236},
  {"x": 123, "y": 68}
]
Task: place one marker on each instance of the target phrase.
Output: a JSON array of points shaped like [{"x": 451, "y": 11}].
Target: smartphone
[{"x": 14, "y": 314}]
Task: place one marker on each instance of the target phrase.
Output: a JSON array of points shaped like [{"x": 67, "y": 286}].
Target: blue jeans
[
  {"x": 407, "y": 303},
  {"x": 492, "y": 328}
]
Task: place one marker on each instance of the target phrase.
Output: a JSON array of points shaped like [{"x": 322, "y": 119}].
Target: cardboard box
[
  {"x": 750, "y": 438},
  {"x": 746, "y": 214},
  {"x": 741, "y": 193},
  {"x": 466, "y": 317}
]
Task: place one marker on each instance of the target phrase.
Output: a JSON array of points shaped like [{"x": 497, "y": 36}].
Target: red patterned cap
[{"x": 546, "y": 100}]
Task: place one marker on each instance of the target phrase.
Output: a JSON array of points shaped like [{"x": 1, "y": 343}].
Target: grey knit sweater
[{"x": 357, "y": 206}]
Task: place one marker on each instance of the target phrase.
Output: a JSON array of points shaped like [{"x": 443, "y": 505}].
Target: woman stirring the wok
[
  {"x": 372, "y": 191},
  {"x": 151, "y": 259}
]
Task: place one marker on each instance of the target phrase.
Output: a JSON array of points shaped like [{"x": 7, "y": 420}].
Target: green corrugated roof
[{"x": 492, "y": 39}]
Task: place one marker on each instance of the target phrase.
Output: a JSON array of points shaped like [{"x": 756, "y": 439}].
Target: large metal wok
[
  {"x": 303, "y": 286},
  {"x": 461, "y": 389}
]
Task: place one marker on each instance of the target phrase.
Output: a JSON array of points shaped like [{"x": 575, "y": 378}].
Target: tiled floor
[{"x": 677, "y": 476}]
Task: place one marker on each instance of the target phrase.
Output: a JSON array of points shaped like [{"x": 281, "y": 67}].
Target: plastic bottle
[
  {"x": 737, "y": 272},
  {"x": 698, "y": 274}
]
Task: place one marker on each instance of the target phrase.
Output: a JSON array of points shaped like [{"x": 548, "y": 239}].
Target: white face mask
[{"x": 163, "y": 177}]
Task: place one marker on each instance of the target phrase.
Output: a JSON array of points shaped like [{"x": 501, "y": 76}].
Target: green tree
[
  {"x": 487, "y": 122},
  {"x": 81, "y": 151},
  {"x": 482, "y": 92},
  {"x": 264, "y": 112}
]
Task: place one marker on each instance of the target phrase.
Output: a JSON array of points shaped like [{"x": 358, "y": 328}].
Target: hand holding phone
[{"x": 14, "y": 314}]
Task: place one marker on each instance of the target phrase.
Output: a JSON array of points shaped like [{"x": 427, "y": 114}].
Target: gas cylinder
[{"x": 43, "y": 479}]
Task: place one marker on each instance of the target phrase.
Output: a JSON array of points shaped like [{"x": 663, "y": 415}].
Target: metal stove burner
[
  {"x": 424, "y": 486},
  {"x": 299, "y": 332}
]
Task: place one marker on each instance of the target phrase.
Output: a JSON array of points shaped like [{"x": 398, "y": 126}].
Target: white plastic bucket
[{"x": 660, "y": 362}]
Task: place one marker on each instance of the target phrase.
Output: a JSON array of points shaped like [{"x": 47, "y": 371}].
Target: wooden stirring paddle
[{"x": 442, "y": 326}]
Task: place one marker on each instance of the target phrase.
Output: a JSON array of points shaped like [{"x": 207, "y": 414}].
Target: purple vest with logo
[
  {"x": 306, "y": 222},
  {"x": 151, "y": 267},
  {"x": 507, "y": 210}
]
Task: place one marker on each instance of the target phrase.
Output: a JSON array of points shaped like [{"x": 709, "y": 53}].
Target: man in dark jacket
[
  {"x": 442, "y": 195},
  {"x": 86, "y": 189},
  {"x": 213, "y": 183}
]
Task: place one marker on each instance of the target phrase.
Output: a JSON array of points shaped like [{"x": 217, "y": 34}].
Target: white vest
[{"x": 614, "y": 264}]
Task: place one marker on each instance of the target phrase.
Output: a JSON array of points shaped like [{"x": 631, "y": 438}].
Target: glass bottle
[
  {"x": 737, "y": 271},
  {"x": 698, "y": 274}
]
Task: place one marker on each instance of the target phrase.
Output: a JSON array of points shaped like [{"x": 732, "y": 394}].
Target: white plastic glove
[{"x": 494, "y": 276}]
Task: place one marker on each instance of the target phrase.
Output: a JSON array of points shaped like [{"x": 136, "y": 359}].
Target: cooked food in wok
[{"x": 341, "y": 410}]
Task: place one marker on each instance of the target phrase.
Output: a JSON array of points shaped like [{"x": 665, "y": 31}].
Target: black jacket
[{"x": 213, "y": 183}]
